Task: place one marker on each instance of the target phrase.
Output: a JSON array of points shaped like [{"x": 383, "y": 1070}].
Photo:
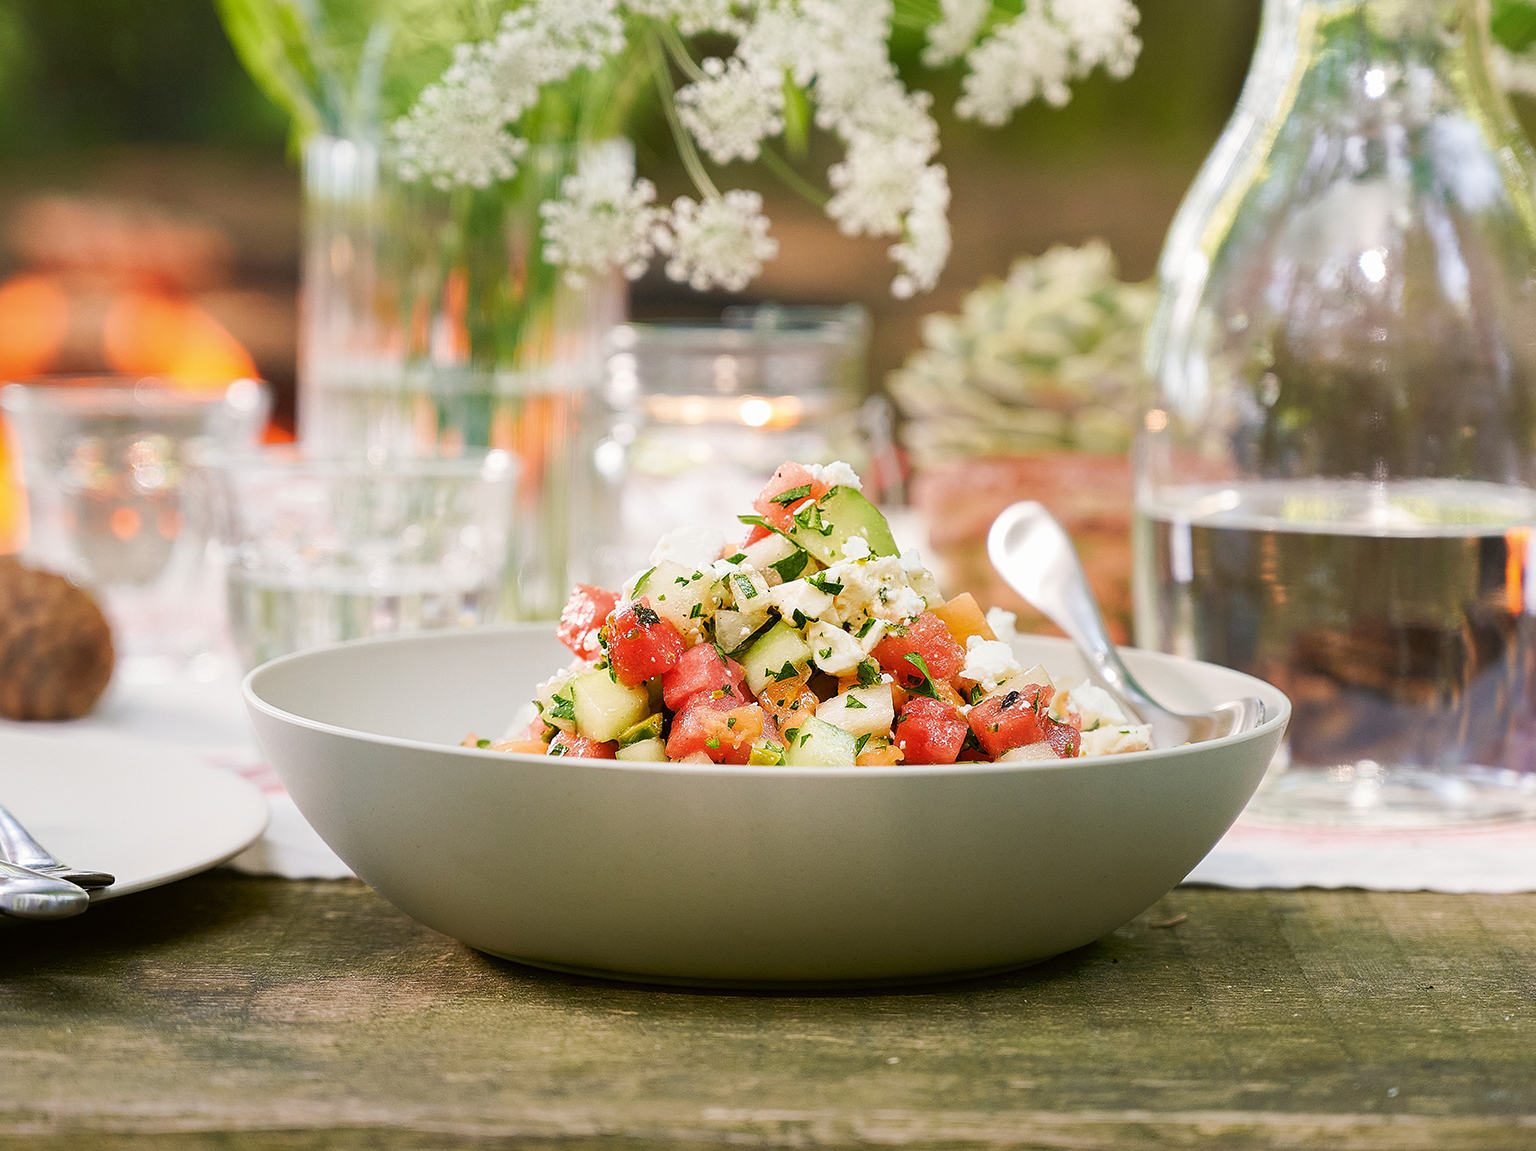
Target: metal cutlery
[
  {"x": 1034, "y": 554},
  {"x": 18, "y": 847},
  {"x": 30, "y": 895}
]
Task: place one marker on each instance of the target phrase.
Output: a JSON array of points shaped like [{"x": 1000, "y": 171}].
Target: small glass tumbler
[
  {"x": 319, "y": 549},
  {"x": 107, "y": 464},
  {"x": 703, "y": 412}
]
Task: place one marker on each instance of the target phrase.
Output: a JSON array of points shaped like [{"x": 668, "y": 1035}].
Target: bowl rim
[{"x": 254, "y": 701}]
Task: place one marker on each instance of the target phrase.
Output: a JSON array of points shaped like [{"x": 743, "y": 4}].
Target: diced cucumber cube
[
  {"x": 825, "y": 526},
  {"x": 766, "y": 753},
  {"x": 645, "y": 751},
  {"x": 861, "y": 710},
  {"x": 746, "y": 591},
  {"x": 647, "y": 728},
  {"x": 734, "y": 628},
  {"x": 557, "y": 704},
  {"x": 781, "y": 647},
  {"x": 606, "y": 708},
  {"x": 768, "y": 551},
  {"x": 817, "y": 743}
]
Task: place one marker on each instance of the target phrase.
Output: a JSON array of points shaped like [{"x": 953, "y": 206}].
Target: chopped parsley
[
  {"x": 563, "y": 707},
  {"x": 791, "y": 565},
  {"x": 745, "y": 586},
  {"x": 809, "y": 518},
  {"x": 482, "y": 743},
  {"x": 926, "y": 687},
  {"x": 759, "y": 522},
  {"x": 858, "y": 746},
  {"x": 792, "y": 495},
  {"x": 640, "y": 583},
  {"x": 869, "y": 673},
  {"x": 825, "y": 653},
  {"x": 698, "y": 610},
  {"x": 788, "y": 671},
  {"x": 646, "y": 616},
  {"x": 821, "y": 582},
  {"x": 712, "y": 742},
  {"x": 865, "y": 628},
  {"x": 790, "y": 733},
  {"x": 737, "y": 558},
  {"x": 854, "y": 704}
]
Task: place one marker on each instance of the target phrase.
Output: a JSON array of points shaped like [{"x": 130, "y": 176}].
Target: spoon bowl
[
  {"x": 28, "y": 895},
  {"x": 1034, "y": 554}
]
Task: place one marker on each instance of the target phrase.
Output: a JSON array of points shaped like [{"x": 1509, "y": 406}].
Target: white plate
[{"x": 148, "y": 814}]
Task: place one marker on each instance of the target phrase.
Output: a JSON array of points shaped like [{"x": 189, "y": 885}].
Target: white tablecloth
[{"x": 209, "y": 720}]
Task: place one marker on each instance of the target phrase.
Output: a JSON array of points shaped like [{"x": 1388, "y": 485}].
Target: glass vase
[
  {"x": 431, "y": 323},
  {"x": 1336, "y": 473}
]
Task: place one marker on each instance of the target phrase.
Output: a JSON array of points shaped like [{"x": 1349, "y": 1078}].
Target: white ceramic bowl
[{"x": 742, "y": 876}]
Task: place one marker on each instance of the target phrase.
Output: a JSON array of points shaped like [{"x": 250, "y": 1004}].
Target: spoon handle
[
  {"x": 1051, "y": 579},
  {"x": 29, "y": 895}
]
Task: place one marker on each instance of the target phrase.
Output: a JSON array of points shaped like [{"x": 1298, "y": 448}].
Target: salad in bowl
[{"x": 813, "y": 641}]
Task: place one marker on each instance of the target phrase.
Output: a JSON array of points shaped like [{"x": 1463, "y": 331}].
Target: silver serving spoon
[
  {"x": 1033, "y": 553},
  {"x": 29, "y": 895},
  {"x": 18, "y": 846}
]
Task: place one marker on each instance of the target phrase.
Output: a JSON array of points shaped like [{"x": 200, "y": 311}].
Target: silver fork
[{"x": 17, "y": 846}]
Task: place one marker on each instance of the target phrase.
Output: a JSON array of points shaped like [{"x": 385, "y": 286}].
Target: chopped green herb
[
  {"x": 926, "y": 687},
  {"x": 564, "y": 707},
  {"x": 792, "y": 495},
  {"x": 791, "y": 565},
  {"x": 788, "y": 671},
  {"x": 556, "y": 749},
  {"x": 822, "y": 583},
  {"x": 865, "y": 628},
  {"x": 869, "y": 673},
  {"x": 976, "y": 694},
  {"x": 745, "y": 586},
  {"x": 858, "y": 746},
  {"x": 482, "y": 743},
  {"x": 712, "y": 742},
  {"x": 790, "y": 733},
  {"x": 646, "y": 616},
  {"x": 798, "y": 618},
  {"x": 804, "y": 739},
  {"x": 698, "y": 610},
  {"x": 825, "y": 653},
  {"x": 730, "y": 721},
  {"x": 854, "y": 704},
  {"x": 661, "y": 599},
  {"x": 640, "y": 583},
  {"x": 971, "y": 743},
  {"x": 810, "y": 519},
  {"x": 759, "y": 522},
  {"x": 684, "y": 580}
]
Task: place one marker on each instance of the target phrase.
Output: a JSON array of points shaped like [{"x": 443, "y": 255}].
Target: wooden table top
[{"x": 240, "y": 1013}]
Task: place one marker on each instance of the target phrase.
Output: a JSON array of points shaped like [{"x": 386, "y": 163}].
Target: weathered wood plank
[{"x": 228, "y": 1012}]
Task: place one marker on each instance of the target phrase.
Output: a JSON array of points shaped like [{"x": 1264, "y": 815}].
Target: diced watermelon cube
[
  {"x": 774, "y": 503},
  {"x": 1006, "y": 720},
  {"x": 930, "y": 731},
  {"x": 724, "y": 736},
  {"x": 581, "y": 618},
  {"x": 703, "y": 670},
  {"x": 568, "y": 743},
  {"x": 640, "y": 643},
  {"x": 1065, "y": 738},
  {"x": 927, "y": 636}
]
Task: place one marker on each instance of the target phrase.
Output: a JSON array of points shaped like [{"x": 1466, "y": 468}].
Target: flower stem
[
  {"x": 685, "y": 149},
  {"x": 679, "y": 52},
  {"x": 796, "y": 183}
]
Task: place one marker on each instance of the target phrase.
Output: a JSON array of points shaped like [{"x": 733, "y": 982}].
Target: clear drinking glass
[
  {"x": 106, "y": 463},
  {"x": 319, "y": 549},
  {"x": 703, "y": 412},
  {"x": 1336, "y": 477},
  {"x": 429, "y": 322}
]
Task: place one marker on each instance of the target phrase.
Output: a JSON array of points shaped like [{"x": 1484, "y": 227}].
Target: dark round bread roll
[{"x": 55, "y": 646}]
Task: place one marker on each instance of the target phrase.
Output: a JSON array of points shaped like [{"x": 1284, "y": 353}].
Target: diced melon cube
[{"x": 861, "y": 710}]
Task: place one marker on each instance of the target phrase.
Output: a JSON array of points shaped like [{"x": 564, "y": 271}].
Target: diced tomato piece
[
  {"x": 568, "y": 743},
  {"x": 930, "y": 731},
  {"x": 787, "y": 479},
  {"x": 581, "y": 618},
  {"x": 1011, "y": 719},
  {"x": 758, "y": 532},
  {"x": 640, "y": 643},
  {"x": 724, "y": 736},
  {"x": 702, "y": 669},
  {"x": 925, "y": 636},
  {"x": 789, "y": 701},
  {"x": 1065, "y": 738}
]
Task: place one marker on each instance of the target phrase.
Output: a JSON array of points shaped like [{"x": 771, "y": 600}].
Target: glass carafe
[{"x": 1336, "y": 474}]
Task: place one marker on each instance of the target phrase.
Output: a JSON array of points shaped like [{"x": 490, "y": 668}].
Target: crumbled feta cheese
[
  {"x": 1115, "y": 740},
  {"x": 693, "y": 546},
  {"x": 833, "y": 650},
  {"x": 876, "y": 587},
  {"x": 723, "y": 568},
  {"x": 836, "y": 475},
  {"x": 874, "y": 635},
  {"x": 912, "y": 562},
  {"x": 988, "y": 662},
  {"x": 1094, "y": 706},
  {"x": 1002, "y": 624},
  {"x": 856, "y": 548},
  {"x": 797, "y": 595},
  {"x": 901, "y": 605}
]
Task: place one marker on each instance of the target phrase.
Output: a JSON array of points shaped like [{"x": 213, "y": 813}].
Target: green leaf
[
  {"x": 792, "y": 565},
  {"x": 926, "y": 687},
  {"x": 1514, "y": 23}
]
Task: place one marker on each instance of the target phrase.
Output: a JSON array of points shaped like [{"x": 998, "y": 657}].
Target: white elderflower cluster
[
  {"x": 720, "y": 243},
  {"x": 604, "y": 218},
  {"x": 732, "y": 109},
  {"x": 463, "y": 128},
  {"x": 1041, "y": 50}
]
